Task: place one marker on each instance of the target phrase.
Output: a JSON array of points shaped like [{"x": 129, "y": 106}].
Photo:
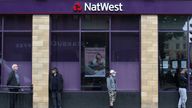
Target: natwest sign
[
  {"x": 98, "y": 7},
  {"x": 103, "y": 7}
]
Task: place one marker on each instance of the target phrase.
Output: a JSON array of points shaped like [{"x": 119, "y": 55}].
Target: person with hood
[{"x": 56, "y": 87}]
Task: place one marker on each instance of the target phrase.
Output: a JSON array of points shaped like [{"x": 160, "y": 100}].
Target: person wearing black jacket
[
  {"x": 56, "y": 87},
  {"x": 13, "y": 84},
  {"x": 182, "y": 80}
]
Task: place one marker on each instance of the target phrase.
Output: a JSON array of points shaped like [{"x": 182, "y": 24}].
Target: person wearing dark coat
[
  {"x": 13, "y": 84},
  {"x": 182, "y": 79},
  {"x": 56, "y": 87}
]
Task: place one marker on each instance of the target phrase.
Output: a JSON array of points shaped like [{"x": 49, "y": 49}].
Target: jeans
[
  {"x": 112, "y": 96},
  {"x": 183, "y": 98},
  {"x": 56, "y": 97}
]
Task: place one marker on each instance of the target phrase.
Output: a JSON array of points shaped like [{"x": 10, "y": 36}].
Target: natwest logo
[
  {"x": 77, "y": 7},
  {"x": 98, "y": 7},
  {"x": 103, "y": 7}
]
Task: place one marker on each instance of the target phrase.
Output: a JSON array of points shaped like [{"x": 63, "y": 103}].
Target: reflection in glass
[
  {"x": 172, "y": 22},
  {"x": 65, "y": 47},
  {"x": 174, "y": 54},
  {"x": 171, "y": 45}
]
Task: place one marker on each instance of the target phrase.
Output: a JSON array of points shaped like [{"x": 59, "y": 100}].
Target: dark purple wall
[{"x": 65, "y": 7}]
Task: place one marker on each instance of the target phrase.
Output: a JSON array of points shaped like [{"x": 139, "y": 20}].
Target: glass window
[
  {"x": 173, "y": 31},
  {"x": 18, "y": 22},
  {"x": 125, "y": 47},
  {"x": 0, "y": 44},
  {"x": 0, "y": 23},
  {"x": 0, "y": 57},
  {"x": 173, "y": 40},
  {"x": 95, "y": 22},
  {"x": 172, "y": 22},
  {"x": 166, "y": 46},
  {"x": 17, "y": 46},
  {"x": 177, "y": 46},
  {"x": 95, "y": 60},
  {"x": 122, "y": 22},
  {"x": 65, "y": 46},
  {"x": 64, "y": 22},
  {"x": 184, "y": 46},
  {"x": 171, "y": 58},
  {"x": 64, "y": 53}
]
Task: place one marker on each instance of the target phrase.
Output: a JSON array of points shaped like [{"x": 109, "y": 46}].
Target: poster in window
[
  {"x": 94, "y": 62},
  {"x": 165, "y": 64},
  {"x": 174, "y": 64},
  {"x": 183, "y": 64}
]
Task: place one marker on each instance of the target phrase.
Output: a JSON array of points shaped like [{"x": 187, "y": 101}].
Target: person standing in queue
[
  {"x": 182, "y": 79},
  {"x": 56, "y": 87},
  {"x": 112, "y": 87},
  {"x": 13, "y": 84}
]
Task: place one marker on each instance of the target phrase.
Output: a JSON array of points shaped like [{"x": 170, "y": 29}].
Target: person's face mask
[
  {"x": 113, "y": 74},
  {"x": 53, "y": 71}
]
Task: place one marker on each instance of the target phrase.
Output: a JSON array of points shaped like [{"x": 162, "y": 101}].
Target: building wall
[
  {"x": 149, "y": 61},
  {"x": 40, "y": 61}
]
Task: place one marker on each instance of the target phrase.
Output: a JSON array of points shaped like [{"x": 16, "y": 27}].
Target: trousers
[{"x": 182, "y": 98}]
